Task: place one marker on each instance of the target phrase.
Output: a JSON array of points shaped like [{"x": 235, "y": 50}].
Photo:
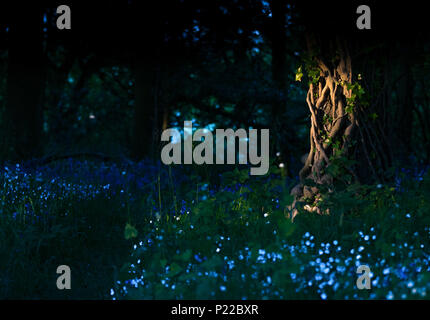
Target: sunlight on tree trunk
[
  {"x": 347, "y": 140},
  {"x": 333, "y": 120}
]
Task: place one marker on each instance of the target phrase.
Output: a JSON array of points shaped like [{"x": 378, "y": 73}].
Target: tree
[
  {"x": 330, "y": 101},
  {"x": 25, "y": 84},
  {"x": 145, "y": 105},
  {"x": 347, "y": 142},
  {"x": 279, "y": 75}
]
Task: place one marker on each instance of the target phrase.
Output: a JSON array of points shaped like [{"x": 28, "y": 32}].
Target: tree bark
[
  {"x": 330, "y": 121},
  {"x": 146, "y": 113},
  {"x": 283, "y": 135},
  {"x": 25, "y": 85},
  {"x": 406, "y": 103},
  {"x": 347, "y": 144}
]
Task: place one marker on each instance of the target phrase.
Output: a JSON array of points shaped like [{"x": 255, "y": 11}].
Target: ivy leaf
[
  {"x": 373, "y": 116},
  {"x": 299, "y": 74},
  {"x": 163, "y": 263},
  {"x": 130, "y": 232},
  {"x": 186, "y": 256}
]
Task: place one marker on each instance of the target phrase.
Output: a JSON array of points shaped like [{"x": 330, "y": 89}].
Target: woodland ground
[{"x": 139, "y": 231}]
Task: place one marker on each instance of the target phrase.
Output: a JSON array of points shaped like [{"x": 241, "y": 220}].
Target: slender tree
[
  {"x": 25, "y": 83},
  {"x": 145, "y": 104},
  {"x": 279, "y": 75}
]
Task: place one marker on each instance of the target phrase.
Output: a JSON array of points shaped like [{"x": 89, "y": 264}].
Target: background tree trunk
[
  {"x": 282, "y": 134},
  {"x": 406, "y": 102},
  {"x": 146, "y": 113},
  {"x": 25, "y": 85}
]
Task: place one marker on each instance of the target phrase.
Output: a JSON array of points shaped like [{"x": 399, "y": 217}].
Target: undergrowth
[{"x": 139, "y": 231}]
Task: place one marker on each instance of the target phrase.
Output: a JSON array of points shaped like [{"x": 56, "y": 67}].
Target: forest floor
[{"x": 138, "y": 231}]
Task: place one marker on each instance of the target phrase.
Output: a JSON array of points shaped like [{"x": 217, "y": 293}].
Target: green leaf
[
  {"x": 174, "y": 269},
  {"x": 373, "y": 116},
  {"x": 163, "y": 263},
  {"x": 130, "y": 232},
  {"x": 299, "y": 74},
  {"x": 285, "y": 227},
  {"x": 186, "y": 256}
]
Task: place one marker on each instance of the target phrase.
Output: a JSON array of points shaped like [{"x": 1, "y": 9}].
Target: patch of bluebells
[
  {"x": 300, "y": 267},
  {"x": 303, "y": 267},
  {"x": 322, "y": 270},
  {"x": 34, "y": 187},
  {"x": 41, "y": 188},
  {"x": 332, "y": 268},
  {"x": 417, "y": 173}
]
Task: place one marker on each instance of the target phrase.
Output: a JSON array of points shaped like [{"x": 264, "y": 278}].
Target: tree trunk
[
  {"x": 25, "y": 85},
  {"x": 283, "y": 135},
  {"x": 146, "y": 113},
  {"x": 406, "y": 103},
  {"x": 346, "y": 142},
  {"x": 327, "y": 99},
  {"x": 333, "y": 119}
]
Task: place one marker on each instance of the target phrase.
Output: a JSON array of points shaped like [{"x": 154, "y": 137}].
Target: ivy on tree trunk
[{"x": 343, "y": 148}]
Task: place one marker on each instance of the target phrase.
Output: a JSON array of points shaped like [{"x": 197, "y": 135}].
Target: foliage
[
  {"x": 231, "y": 240},
  {"x": 238, "y": 244}
]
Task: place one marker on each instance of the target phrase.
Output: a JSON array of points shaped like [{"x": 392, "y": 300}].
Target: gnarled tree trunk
[
  {"x": 332, "y": 125},
  {"x": 347, "y": 143}
]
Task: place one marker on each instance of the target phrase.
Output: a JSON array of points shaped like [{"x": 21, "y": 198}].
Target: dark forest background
[
  {"x": 126, "y": 70},
  {"x": 81, "y": 115}
]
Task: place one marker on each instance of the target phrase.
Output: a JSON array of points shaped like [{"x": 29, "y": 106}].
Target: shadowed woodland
[{"x": 82, "y": 184}]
